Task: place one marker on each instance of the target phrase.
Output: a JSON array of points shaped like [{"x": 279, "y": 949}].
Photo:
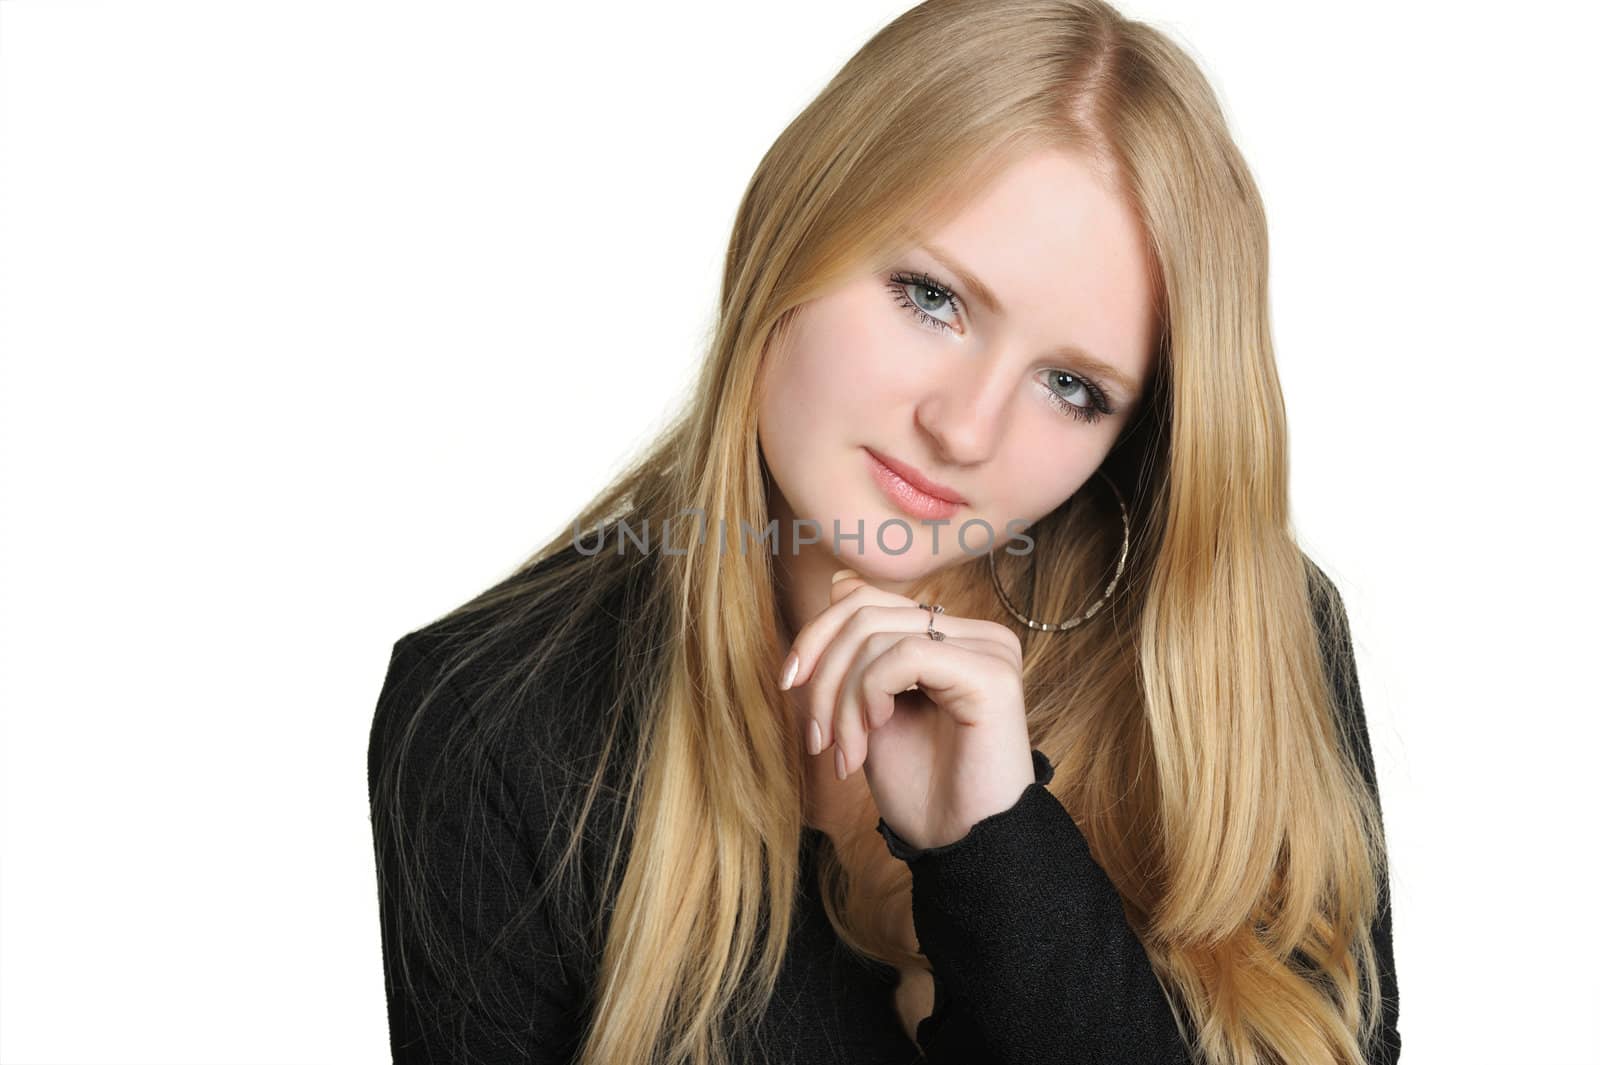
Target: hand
[{"x": 938, "y": 759}]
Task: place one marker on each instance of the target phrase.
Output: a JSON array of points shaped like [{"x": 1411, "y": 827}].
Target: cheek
[
  {"x": 806, "y": 402},
  {"x": 844, "y": 367},
  {"x": 1044, "y": 465}
]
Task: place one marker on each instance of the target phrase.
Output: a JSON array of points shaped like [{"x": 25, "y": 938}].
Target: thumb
[{"x": 841, "y": 584}]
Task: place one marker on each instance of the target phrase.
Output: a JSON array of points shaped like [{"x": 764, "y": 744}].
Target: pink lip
[{"x": 911, "y": 490}]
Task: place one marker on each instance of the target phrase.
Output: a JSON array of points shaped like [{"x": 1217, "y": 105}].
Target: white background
[{"x": 318, "y": 316}]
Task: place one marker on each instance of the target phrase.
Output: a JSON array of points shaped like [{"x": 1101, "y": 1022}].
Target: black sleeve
[
  {"x": 521, "y": 1003},
  {"x": 1033, "y": 957},
  {"x": 1338, "y": 655}
]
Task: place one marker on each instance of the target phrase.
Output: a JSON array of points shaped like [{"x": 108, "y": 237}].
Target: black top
[{"x": 1033, "y": 958}]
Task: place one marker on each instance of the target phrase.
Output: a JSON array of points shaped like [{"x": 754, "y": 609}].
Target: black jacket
[{"x": 1033, "y": 958}]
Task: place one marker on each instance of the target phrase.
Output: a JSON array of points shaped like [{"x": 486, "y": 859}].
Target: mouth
[{"x": 912, "y": 492}]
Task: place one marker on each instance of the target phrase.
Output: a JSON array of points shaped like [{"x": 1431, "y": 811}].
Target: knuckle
[
  {"x": 1008, "y": 639},
  {"x": 1005, "y": 634},
  {"x": 907, "y": 646},
  {"x": 841, "y": 715},
  {"x": 874, "y": 614},
  {"x": 858, "y": 621},
  {"x": 859, "y": 593}
]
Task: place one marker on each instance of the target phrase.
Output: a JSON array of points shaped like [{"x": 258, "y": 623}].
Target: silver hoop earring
[{"x": 1122, "y": 560}]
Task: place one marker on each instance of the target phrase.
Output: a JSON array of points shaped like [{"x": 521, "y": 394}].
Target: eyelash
[{"x": 897, "y": 282}]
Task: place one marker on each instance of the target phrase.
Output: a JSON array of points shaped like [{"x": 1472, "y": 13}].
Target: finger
[
  {"x": 823, "y": 686},
  {"x": 1007, "y": 637},
  {"x": 875, "y": 710},
  {"x": 819, "y": 694},
  {"x": 850, "y": 594},
  {"x": 959, "y": 674},
  {"x": 848, "y": 725},
  {"x": 962, "y": 680},
  {"x": 822, "y": 631}
]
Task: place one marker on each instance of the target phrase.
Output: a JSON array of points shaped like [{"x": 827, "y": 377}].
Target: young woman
[{"x": 777, "y": 755}]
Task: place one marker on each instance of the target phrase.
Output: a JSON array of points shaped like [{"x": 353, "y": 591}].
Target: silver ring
[{"x": 933, "y": 610}]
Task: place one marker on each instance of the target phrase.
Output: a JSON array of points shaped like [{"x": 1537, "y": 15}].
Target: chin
[{"x": 877, "y": 565}]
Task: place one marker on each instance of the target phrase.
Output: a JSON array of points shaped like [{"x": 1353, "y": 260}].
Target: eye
[
  {"x": 1076, "y": 395},
  {"x": 925, "y": 298}
]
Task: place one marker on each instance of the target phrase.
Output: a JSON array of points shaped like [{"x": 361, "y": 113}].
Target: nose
[{"x": 964, "y": 414}]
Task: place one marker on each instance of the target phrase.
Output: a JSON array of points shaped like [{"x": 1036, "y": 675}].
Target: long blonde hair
[{"x": 1192, "y": 723}]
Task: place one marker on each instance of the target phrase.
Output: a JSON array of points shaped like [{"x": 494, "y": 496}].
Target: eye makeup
[{"x": 903, "y": 282}]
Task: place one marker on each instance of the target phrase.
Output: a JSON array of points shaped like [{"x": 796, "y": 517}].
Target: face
[{"x": 984, "y": 374}]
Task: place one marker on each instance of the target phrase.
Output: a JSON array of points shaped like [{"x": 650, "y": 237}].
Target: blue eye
[
  {"x": 922, "y": 295},
  {"x": 1097, "y": 406}
]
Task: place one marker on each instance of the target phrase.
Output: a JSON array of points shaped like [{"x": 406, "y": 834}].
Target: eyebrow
[{"x": 986, "y": 296}]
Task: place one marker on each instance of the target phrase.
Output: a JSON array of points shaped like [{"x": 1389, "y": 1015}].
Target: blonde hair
[{"x": 1194, "y": 729}]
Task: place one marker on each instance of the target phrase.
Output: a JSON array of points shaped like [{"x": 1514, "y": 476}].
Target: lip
[{"x": 912, "y": 491}]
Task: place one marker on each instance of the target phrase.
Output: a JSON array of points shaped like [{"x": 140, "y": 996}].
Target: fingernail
[
  {"x": 838, "y": 762},
  {"x": 791, "y": 666},
  {"x": 843, "y": 574},
  {"x": 814, "y": 745}
]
